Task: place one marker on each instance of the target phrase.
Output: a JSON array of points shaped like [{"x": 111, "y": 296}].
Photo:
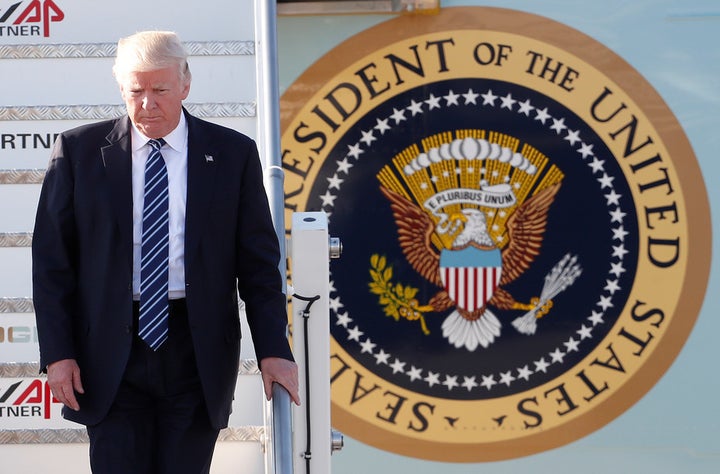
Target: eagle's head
[{"x": 473, "y": 230}]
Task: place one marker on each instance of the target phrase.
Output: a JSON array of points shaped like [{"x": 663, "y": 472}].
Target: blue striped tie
[{"x": 153, "y": 318}]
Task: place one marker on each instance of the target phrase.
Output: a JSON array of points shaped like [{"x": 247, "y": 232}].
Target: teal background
[{"x": 675, "y": 45}]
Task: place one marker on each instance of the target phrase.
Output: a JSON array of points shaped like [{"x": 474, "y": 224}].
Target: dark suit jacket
[{"x": 82, "y": 260}]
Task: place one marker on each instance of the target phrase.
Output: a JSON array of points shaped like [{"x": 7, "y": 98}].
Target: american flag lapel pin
[{"x": 209, "y": 159}]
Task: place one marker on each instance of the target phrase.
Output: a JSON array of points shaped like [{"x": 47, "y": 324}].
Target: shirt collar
[{"x": 177, "y": 139}]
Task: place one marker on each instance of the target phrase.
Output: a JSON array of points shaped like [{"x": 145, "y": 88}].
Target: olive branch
[{"x": 397, "y": 300}]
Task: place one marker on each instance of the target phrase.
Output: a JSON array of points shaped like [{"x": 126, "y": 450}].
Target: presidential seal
[{"x": 525, "y": 231}]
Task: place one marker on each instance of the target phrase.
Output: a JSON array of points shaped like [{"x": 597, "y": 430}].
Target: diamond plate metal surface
[
  {"x": 16, "y": 239},
  {"x": 34, "y": 176},
  {"x": 109, "y": 111},
  {"x": 107, "y": 50},
  {"x": 67, "y": 436},
  {"x": 32, "y": 369},
  {"x": 16, "y": 305},
  {"x": 19, "y": 369}
]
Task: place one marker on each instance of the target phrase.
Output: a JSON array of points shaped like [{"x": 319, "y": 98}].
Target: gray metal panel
[
  {"x": 252, "y": 434},
  {"x": 107, "y": 50}
]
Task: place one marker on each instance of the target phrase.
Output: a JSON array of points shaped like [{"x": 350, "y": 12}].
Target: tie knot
[{"x": 156, "y": 144}]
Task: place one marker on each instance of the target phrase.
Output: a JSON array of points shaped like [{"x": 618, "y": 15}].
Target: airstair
[{"x": 56, "y": 68}]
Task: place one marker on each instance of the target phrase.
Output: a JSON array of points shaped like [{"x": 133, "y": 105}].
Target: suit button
[{"x": 128, "y": 329}]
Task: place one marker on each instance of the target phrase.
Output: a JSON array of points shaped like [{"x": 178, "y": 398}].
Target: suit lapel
[
  {"x": 117, "y": 158},
  {"x": 201, "y": 173}
]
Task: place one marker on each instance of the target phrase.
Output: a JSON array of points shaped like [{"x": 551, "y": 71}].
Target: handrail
[{"x": 282, "y": 430}]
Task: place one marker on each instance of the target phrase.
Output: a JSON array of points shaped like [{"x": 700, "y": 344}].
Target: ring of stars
[{"x": 555, "y": 124}]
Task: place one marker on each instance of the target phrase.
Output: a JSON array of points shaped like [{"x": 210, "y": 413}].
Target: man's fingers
[
  {"x": 282, "y": 371},
  {"x": 64, "y": 380},
  {"x": 77, "y": 383},
  {"x": 69, "y": 394}
]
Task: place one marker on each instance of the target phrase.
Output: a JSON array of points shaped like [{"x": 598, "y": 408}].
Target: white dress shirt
[{"x": 174, "y": 153}]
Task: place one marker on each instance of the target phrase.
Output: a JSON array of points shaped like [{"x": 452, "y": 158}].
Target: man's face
[{"x": 154, "y": 100}]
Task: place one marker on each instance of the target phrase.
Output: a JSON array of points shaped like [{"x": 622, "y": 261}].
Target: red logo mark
[
  {"x": 44, "y": 12},
  {"x": 38, "y": 392}
]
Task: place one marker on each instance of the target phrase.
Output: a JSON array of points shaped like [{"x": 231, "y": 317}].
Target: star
[
  {"x": 415, "y": 107},
  {"x": 542, "y": 116},
  {"x": 597, "y": 165},
  {"x": 619, "y": 251},
  {"x": 606, "y": 181},
  {"x": 335, "y": 304},
  {"x": 398, "y": 366},
  {"x": 382, "y": 126},
  {"x": 432, "y": 378},
  {"x": 470, "y": 96},
  {"x": 367, "y": 346},
  {"x": 398, "y": 115},
  {"x": 451, "y": 98},
  {"x": 605, "y": 302},
  {"x": 613, "y": 198},
  {"x": 611, "y": 286},
  {"x": 343, "y": 320},
  {"x": 617, "y": 215},
  {"x": 488, "y": 381},
  {"x": 507, "y": 102},
  {"x": 524, "y": 373},
  {"x": 571, "y": 345},
  {"x": 557, "y": 355},
  {"x": 382, "y": 357},
  {"x": 335, "y": 182},
  {"x": 344, "y": 165},
  {"x": 617, "y": 269},
  {"x": 585, "y": 332},
  {"x": 507, "y": 378},
  {"x": 354, "y": 150},
  {"x": 450, "y": 382},
  {"x": 368, "y": 137},
  {"x": 586, "y": 150},
  {"x": 433, "y": 102},
  {"x": 558, "y": 125},
  {"x": 619, "y": 233},
  {"x": 354, "y": 334},
  {"x": 596, "y": 318},
  {"x": 489, "y": 98},
  {"x": 328, "y": 199},
  {"x": 414, "y": 373},
  {"x": 541, "y": 365},
  {"x": 469, "y": 383},
  {"x": 525, "y": 108},
  {"x": 573, "y": 136}
]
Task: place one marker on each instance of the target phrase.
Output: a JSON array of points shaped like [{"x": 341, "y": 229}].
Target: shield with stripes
[{"x": 470, "y": 275}]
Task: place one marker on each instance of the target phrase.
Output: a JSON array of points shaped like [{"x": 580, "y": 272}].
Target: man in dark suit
[{"x": 155, "y": 404}]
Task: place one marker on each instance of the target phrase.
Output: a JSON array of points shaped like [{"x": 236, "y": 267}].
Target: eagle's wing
[
  {"x": 415, "y": 228},
  {"x": 526, "y": 228}
]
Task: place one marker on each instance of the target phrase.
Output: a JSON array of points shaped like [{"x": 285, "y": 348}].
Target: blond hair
[{"x": 150, "y": 51}]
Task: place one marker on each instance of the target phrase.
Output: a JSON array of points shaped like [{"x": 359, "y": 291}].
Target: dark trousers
[{"x": 158, "y": 423}]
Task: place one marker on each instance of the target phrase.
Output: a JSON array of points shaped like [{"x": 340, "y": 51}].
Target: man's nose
[{"x": 148, "y": 102}]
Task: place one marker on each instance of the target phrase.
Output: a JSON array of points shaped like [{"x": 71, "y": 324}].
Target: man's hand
[
  {"x": 282, "y": 371},
  {"x": 63, "y": 377}
]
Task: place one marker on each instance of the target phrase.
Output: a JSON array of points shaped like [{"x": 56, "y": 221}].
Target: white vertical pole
[
  {"x": 278, "y": 420},
  {"x": 310, "y": 257}
]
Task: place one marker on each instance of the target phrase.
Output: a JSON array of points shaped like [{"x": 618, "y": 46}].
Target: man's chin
[{"x": 152, "y": 130}]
